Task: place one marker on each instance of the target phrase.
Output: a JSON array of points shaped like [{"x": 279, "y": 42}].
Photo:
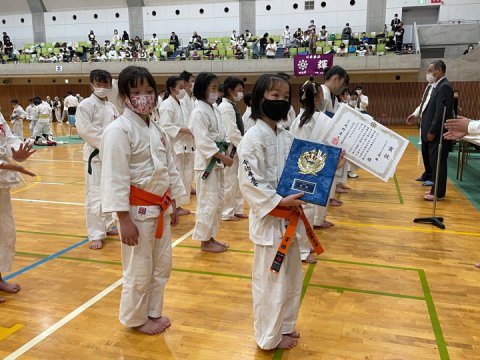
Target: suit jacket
[{"x": 432, "y": 116}]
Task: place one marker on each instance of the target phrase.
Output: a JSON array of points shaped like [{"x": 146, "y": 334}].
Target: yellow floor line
[
  {"x": 6, "y": 332},
  {"x": 37, "y": 179},
  {"x": 453, "y": 232}
]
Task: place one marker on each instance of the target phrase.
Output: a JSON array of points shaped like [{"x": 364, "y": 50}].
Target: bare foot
[
  {"x": 311, "y": 259},
  {"x": 324, "y": 225},
  {"x": 343, "y": 186},
  {"x": 182, "y": 211},
  {"x": 113, "y": 231},
  {"x": 163, "y": 320},
  {"x": 10, "y": 288},
  {"x": 287, "y": 342},
  {"x": 295, "y": 334},
  {"x": 335, "y": 202},
  {"x": 231, "y": 218},
  {"x": 477, "y": 265},
  {"x": 96, "y": 244},
  {"x": 2, "y": 300},
  {"x": 193, "y": 191},
  {"x": 224, "y": 244},
  {"x": 341, "y": 190},
  {"x": 241, "y": 216},
  {"x": 211, "y": 246},
  {"x": 151, "y": 327}
]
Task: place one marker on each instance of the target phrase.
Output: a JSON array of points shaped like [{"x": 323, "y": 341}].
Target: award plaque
[{"x": 310, "y": 168}]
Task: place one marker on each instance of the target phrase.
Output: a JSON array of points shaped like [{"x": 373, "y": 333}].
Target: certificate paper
[{"x": 366, "y": 142}]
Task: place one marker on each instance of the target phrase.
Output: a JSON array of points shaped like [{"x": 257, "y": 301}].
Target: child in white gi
[
  {"x": 171, "y": 120},
  {"x": 92, "y": 117},
  {"x": 30, "y": 110},
  {"x": 188, "y": 103},
  {"x": 210, "y": 158},
  {"x": 232, "y": 120},
  {"x": 262, "y": 153},
  {"x": 17, "y": 117},
  {"x": 11, "y": 147},
  {"x": 139, "y": 183}
]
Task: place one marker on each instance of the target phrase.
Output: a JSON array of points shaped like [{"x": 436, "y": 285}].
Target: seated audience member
[
  {"x": 312, "y": 26},
  {"x": 125, "y": 36},
  {"x": 469, "y": 48},
  {"x": 91, "y": 37},
  {"x": 174, "y": 40},
  {"x": 233, "y": 38},
  {"x": 238, "y": 53},
  {"x": 370, "y": 50},
  {"x": 286, "y": 52},
  {"x": 208, "y": 55},
  {"x": 195, "y": 55},
  {"x": 346, "y": 32},
  {"x": 323, "y": 34},
  {"x": 390, "y": 45},
  {"x": 271, "y": 49},
  {"x": 248, "y": 36},
  {"x": 399, "y": 36},
  {"x": 263, "y": 44},
  {"x": 342, "y": 50},
  {"x": 364, "y": 38},
  {"x": 241, "y": 40},
  {"x": 196, "y": 42},
  {"x": 154, "y": 40},
  {"x": 362, "y": 51},
  {"x": 116, "y": 37}
]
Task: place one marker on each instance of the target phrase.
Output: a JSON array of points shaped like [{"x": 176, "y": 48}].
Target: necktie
[{"x": 425, "y": 94}]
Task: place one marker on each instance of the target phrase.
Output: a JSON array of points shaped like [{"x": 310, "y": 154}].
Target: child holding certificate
[{"x": 262, "y": 153}]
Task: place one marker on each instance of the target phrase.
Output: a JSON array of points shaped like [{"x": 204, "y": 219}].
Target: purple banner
[{"x": 308, "y": 65}]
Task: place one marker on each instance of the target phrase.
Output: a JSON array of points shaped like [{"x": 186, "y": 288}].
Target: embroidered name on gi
[{"x": 248, "y": 169}]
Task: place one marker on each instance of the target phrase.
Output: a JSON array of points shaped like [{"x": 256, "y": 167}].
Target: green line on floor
[
  {"x": 341, "y": 289},
  {"x": 397, "y": 186}
]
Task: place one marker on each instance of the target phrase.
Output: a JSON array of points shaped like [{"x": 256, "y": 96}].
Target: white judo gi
[
  {"x": 314, "y": 130},
  {"x": 8, "y": 179},
  {"x": 289, "y": 120},
  {"x": 43, "y": 115},
  {"x": 18, "y": 115},
  {"x": 248, "y": 122},
  {"x": 171, "y": 119},
  {"x": 134, "y": 153},
  {"x": 207, "y": 128},
  {"x": 31, "y": 117},
  {"x": 92, "y": 117},
  {"x": 276, "y": 297},
  {"x": 232, "y": 199},
  {"x": 187, "y": 103}
]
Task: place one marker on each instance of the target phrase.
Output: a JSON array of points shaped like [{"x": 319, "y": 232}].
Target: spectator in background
[
  {"x": 196, "y": 41},
  {"x": 263, "y": 44},
  {"x": 125, "y": 36},
  {"x": 286, "y": 36},
  {"x": 248, "y": 36},
  {"x": 233, "y": 38},
  {"x": 154, "y": 40},
  {"x": 364, "y": 38},
  {"x": 362, "y": 50},
  {"x": 346, "y": 32},
  {"x": 362, "y": 102},
  {"x": 469, "y": 48},
  {"x": 312, "y": 26},
  {"x": 395, "y": 23},
  {"x": 312, "y": 42},
  {"x": 271, "y": 49},
  {"x": 298, "y": 34},
  {"x": 91, "y": 37},
  {"x": 116, "y": 37},
  {"x": 399, "y": 36},
  {"x": 174, "y": 40},
  {"x": 370, "y": 50},
  {"x": 323, "y": 35},
  {"x": 241, "y": 41},
  {"x": 390, "y": 44},
  {"x": 456, "y": 109},
  {"x": 342, "y": 50}
]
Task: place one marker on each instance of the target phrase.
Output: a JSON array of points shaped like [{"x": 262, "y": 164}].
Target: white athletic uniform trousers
[
  {"x": 8, "y": 179},
  {"x": 134, "y": 153},
  {"x": 92, "y": 117},
  {"x": 276, "y": 297},
  {"x": 188, "y": 104},
  {"x": 42, "y": 126},
  {"x": 232, "y": 199},
  {"x": 207, "y": 129},
  {"x": 171, "y": 119}
]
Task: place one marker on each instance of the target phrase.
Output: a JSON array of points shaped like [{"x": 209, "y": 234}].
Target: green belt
[
  {"x": 90, "y": 158},
  {"x": 222, "y": 147}
]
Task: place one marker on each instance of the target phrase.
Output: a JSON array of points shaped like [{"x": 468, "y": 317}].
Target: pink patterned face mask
[{"x": 141, "y": 104}]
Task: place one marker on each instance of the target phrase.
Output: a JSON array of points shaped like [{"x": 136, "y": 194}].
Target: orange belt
[
  {"x": 141, "y": 197},
  {"x": 292, "y": 215}
]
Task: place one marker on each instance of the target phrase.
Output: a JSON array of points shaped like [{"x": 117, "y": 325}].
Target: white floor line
[
  {"x": 48, "y": 202},
  {"x": 48, "y": 183},
  {"x": 42, "y": 336},
  {"x": 54, "y": 160}
]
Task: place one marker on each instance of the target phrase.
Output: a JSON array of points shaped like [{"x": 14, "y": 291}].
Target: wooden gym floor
[{"x": 385, "y": 288}]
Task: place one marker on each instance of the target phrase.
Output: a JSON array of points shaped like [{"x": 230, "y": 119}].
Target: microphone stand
[{"x": 434, "y": 220}]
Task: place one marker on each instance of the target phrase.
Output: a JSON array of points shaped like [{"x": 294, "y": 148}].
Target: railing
[{"x": 416, "y": 41}]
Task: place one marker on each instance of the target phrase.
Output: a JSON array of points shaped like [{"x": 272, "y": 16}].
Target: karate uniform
[
  {"x": 313, "y": 130},
  {"x": 42, "y": 127},
  {"x": 134, "y": 153},
  {"x": 8, "y": 179},
  {"x": 92, "y": 117},
  {"x": 248, "y": 122},
  {"x": 289, "y": 120},
  {"x": 207, "y": 128},
  {"x": 233, "y": 199},
  {"x": 188, "y": 104},
  {"x": 18, "y": 115},
  {"x": 30, "y": 110},
  {"x": 276, "y": 297},
  {"x": 171, "y": 119}
]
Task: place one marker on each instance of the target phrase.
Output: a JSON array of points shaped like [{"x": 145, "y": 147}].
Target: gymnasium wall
[{"x": 389, "y": 103}]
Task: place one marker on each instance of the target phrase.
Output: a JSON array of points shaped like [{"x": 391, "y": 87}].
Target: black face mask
[{"x": 275, "y": 110}]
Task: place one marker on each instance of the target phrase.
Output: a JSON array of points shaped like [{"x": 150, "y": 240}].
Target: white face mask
[
  {"x": 352, "y": 103},
  {"x": 181, "y": 94},
  {"x": 101, "y": 92},
  {"x": 430, "y": 78},
  {"x": 212, "y": 97},
  {"x": 238, "y": 97},
  {"x": 359, "y": 92}
]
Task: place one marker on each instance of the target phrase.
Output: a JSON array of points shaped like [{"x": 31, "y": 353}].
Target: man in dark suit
[
  {"x": 394, "y": 23},
  {"x": 174, "y": 40},
  {"x": 442, "y": 95}
]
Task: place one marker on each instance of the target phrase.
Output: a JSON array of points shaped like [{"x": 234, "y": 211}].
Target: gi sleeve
[
  {"x": 199, "y": 128},
  {"x": 474, "y": 127},
  {"x": 253, "y": 179},
  {"x": 175, "y": 183},
  {"x": 230, "y": 120},
  {"x": 167, "y": 122},
  {"x": 115, "y": 152},
  {"x": 86, "y": 130}
]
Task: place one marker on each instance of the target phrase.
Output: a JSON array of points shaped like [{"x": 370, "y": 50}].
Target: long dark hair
[
  {"x": 308, "y": 92},
  {"x": 172, "y": 82}
]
